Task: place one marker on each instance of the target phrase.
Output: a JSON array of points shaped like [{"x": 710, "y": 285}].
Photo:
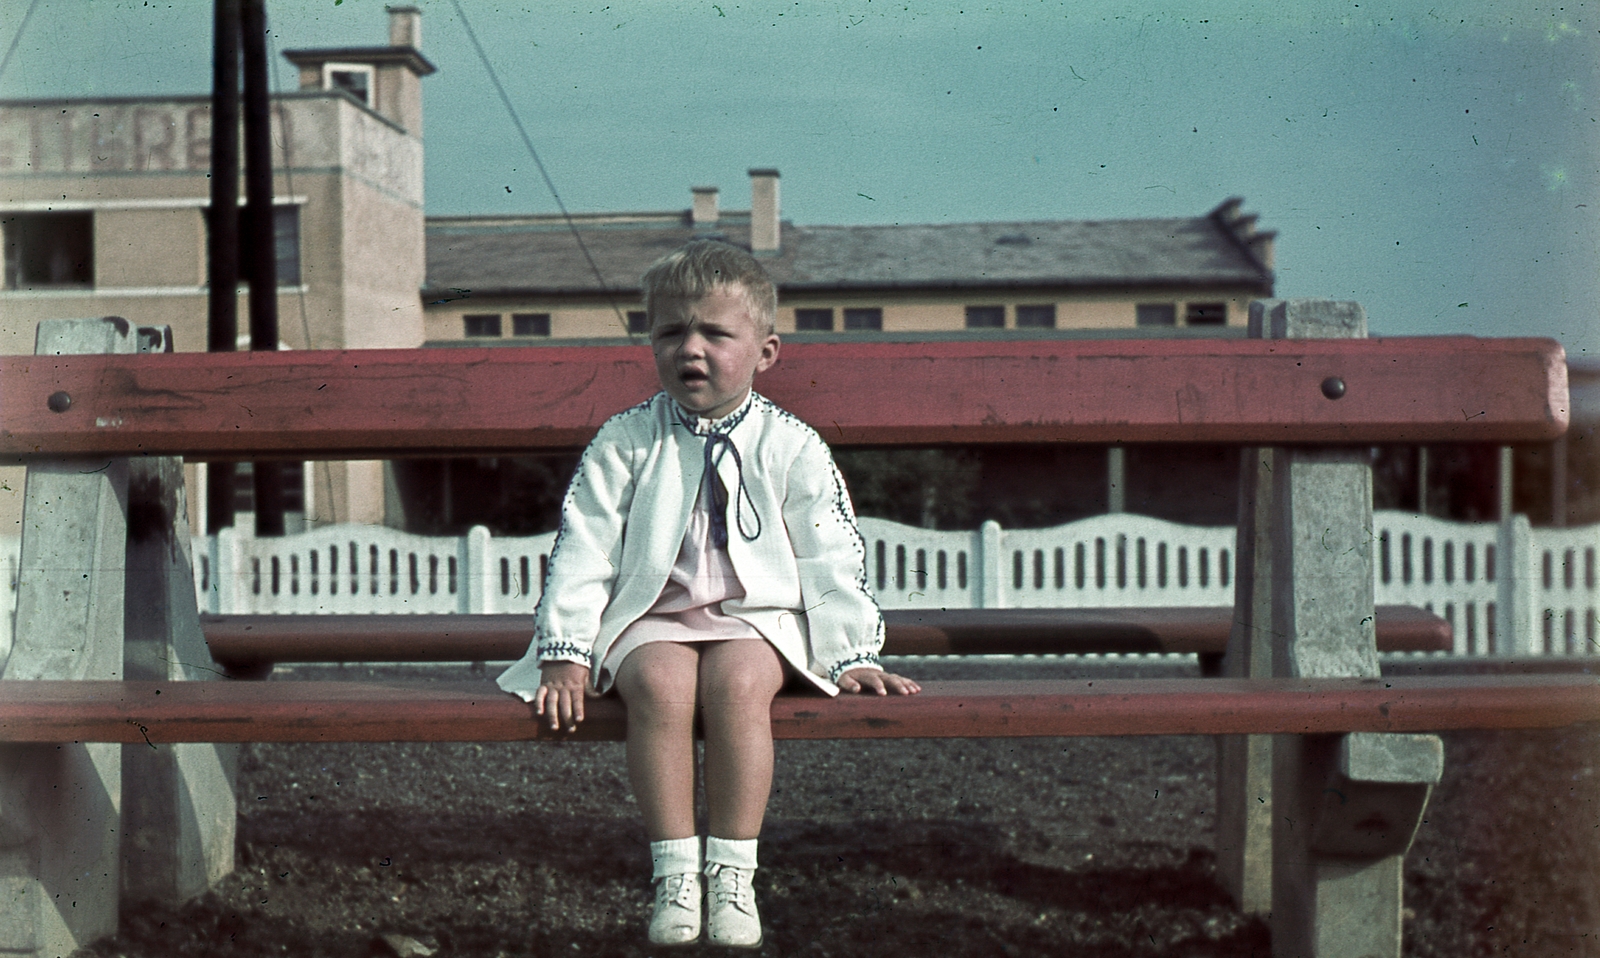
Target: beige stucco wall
[
  {"x": 346, "y": 492},
  {"x": 399, "y": 95},
  {"x": 383, "y": 269},
  {"x": 149, "y": 247}
]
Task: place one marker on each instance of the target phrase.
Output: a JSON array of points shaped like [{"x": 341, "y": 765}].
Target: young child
[{"x": 707, "y": 547}]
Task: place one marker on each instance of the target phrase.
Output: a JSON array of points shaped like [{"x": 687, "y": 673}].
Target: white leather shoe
[
  {"x": 676, "y": 920},
  {"x": 731, "y": 909}
]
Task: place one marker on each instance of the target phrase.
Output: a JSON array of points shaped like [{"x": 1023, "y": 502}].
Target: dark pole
[
  {"x": 258, "y": 254},
  {"x": 222, "y": 331}
]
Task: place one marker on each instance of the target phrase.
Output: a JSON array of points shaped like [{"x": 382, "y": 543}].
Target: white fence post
[
  {"x": 477, "y": 579},
  {"x": 1514, "y": 578},
  {"x": 227, "y": 571},
  {"x": 990, "y": 566}
]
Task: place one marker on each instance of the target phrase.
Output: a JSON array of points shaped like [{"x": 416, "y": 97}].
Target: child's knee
[
  {"x": 657, "y": 688},
  {"x": 749, "y": 686}
]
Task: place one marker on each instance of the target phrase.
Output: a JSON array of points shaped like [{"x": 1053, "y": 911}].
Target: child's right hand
[{"x": 562, "y": 687}]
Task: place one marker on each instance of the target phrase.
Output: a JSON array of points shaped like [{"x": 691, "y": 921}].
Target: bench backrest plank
[{"x": 380, "y": 403}]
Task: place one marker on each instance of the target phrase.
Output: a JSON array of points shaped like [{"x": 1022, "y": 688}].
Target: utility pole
[
  {"x": 222, "y": 328},
  {"x": 257, "y": 245}
]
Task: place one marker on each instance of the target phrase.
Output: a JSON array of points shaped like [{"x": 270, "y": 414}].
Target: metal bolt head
[
  {"x": 1333, "y": 387},
  {"x": 59, "y": 402}
]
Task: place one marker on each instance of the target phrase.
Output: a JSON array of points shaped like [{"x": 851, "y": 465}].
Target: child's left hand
[{"x": 860, "y": 680}]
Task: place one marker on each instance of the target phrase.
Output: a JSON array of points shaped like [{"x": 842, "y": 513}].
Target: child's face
[{"x": 709, "y": 350}]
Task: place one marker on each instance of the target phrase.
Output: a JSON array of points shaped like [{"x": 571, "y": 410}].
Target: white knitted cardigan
[{"x": 792, "y": 539}]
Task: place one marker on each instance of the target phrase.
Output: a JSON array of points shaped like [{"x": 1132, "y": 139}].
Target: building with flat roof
[{"x": 103, "y": 204}]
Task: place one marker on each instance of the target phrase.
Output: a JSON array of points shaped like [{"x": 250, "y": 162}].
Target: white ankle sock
[
  {"x": 740, "y": 853},
  {"x": 675, "y": 856}
]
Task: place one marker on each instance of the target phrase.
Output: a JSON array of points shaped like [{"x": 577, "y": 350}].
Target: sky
[{"x": 1436, "y": 160}]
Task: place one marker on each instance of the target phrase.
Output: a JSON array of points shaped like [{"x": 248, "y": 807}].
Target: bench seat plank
[
  {"x": 318, "y": 711},
  {"x": 241, "y": 641},
  {"x": 480, "y": 401}
]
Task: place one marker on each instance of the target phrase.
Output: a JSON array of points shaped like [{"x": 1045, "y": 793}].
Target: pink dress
[{"x": 689, "y": 608}]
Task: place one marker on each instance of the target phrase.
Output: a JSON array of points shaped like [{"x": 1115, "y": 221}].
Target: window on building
[
  {"x": 353, "y": 78},
  {"x": 638, "y": 321},
  {"x": 1205, "y": 314},
  {"x": 285, "y": 241},
  {"x": 482, "y": 324},
  {"x": 986, "y": 317},
  {"x": 1037, "y": 317},
  {"x": 863, "y": 317},
  {"x": 530, "y": 324},
  {"x": 1157, "y": 314},
  {"x": 815, "y": 320},
  {"x": 49, "y": 249}
]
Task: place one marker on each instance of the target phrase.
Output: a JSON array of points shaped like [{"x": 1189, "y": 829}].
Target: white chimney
[
  {"x": 704, "y": 212},
  {"x": 764, "y": 211},
  {"x": 405, "y": 27}
]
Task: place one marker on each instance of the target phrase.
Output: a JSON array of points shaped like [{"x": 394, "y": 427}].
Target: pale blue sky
[{"x": 1437, "y": 161}]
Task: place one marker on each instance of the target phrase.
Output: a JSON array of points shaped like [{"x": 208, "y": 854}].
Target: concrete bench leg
[
  {"x": 179, "y": 810},
  {"x": 1244, "y": 762},
  {"x": 60, "y": 824},
  {"x": 1344, "y": 808},
  {"x": 1348, "y": 808}
]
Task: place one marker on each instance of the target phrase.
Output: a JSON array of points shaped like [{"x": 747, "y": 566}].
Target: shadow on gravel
[
  {"x": 601, "y": 849},
  {"x": 976, "y": 856},
  {"x": 537, "y": 884}
]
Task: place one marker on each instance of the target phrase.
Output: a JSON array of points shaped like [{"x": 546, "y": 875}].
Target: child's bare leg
[
  {"x": 657, "y": 682},
  {"x": 737, "y": 682}
]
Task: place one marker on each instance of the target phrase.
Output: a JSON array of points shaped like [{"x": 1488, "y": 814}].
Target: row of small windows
[
  {"x": 1194, "y": 314},
  {"x": 822, "y": 319},
  {"x": 1026, "y": 316},
  {"x": 57, "y": 248},
  {"x": 492, "y": 325},
  {"x": 1042, "y": 316},
  {"x": 522, "y": 324},
  {"x": 1039, "y": 316}
]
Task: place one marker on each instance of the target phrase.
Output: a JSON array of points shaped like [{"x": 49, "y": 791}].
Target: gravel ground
[{"x": 1084, "y": 846}]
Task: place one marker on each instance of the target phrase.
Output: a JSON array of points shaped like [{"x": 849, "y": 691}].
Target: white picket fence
[
  {"x": 355, "y": 569},
  {"x": 1545, "y": 597},
  {"x": 1111, "y": 560},
  {"x": 1538, "y": 587}
]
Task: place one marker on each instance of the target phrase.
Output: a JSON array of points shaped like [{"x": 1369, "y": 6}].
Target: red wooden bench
[{"x": 1313, "y": 404}]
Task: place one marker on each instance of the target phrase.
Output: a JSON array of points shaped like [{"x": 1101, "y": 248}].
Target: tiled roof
[{"x": 508, "y": 256}]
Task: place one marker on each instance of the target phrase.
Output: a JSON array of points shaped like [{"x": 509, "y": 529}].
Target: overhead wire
[
  {"x": 16, "y": 38},
  {"x": 527, "y": 142}
]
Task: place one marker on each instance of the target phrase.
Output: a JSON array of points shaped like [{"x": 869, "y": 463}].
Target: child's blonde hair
[{"x": 693, "y": 270}]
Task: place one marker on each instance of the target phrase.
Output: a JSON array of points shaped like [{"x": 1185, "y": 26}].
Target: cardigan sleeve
[
  {"x": 588, "y": 549},
  {"x": 844, "y": 623}
]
